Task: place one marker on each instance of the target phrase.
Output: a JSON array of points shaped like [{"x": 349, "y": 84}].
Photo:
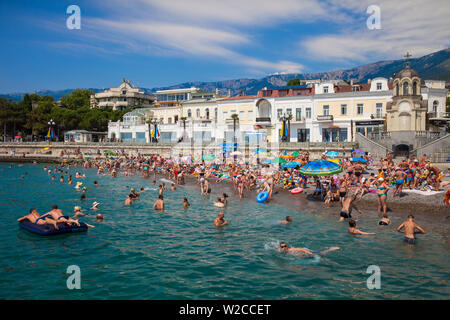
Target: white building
[{"x": 125, "y": 96}]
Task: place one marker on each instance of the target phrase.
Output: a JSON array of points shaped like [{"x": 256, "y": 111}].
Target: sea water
[{"x": 139, "y": 253}]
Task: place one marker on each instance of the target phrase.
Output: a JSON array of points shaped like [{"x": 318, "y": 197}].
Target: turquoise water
[{"x": 137, "y": 253}]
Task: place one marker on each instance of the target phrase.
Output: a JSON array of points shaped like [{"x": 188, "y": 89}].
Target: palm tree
[
  {"x": 289, "y": 118},
  {"x": 235, "y": 118}
]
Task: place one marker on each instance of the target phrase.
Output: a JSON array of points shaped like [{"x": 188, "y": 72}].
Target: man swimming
[
  {"x": 347, "y": 207},
  {"x": 409, "y": 227},
  {"x": 219, "y": 221},
  {"x": 284, "y": 248},
  {"x": 288, "y": 220},
  {"x": 186, "y": 203},
  {"x": 353, "y": 230}
]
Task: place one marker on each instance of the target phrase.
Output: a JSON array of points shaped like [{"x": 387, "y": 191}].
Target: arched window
[
  {"x": 207, "y": 113},
  {"x": 397, "y": 91},
  {"x": 189, "y": 113},
  {"x": 197, "y": 113},
  {"x": 169, "y": 120},
  {"x": 215, "y": 113},
  {"x": 415, "y": 88},
  {"x": 435, "y": 106},
  {"x": 405, "y": 88}
]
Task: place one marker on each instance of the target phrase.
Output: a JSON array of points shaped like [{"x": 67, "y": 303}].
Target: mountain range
[{"x": 434, "y": 66}]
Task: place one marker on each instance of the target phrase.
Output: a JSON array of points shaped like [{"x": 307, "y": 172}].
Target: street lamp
[{"x": 51, "y": 124}]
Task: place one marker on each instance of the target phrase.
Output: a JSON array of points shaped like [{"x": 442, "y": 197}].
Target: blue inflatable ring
[{"x": 262, "y": 196}]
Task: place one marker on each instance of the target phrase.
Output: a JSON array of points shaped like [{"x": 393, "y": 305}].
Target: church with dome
[{"x": 408, "y": 110}]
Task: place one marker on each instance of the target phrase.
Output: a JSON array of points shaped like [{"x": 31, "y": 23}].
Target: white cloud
[{"x": 415, "y": 26}]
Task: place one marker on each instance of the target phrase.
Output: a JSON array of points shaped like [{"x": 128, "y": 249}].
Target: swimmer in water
[
  {"x": 219, "y": 221},
  {"x": 128, "y": 201},
  {"x": 384, "y": 221},
  {"x": 284, "y": 248},
  {"x": 159, "y": 203},
  {"x": 95, "y": 205},
  {"x": 409, "y": 228},
  {"x": 141, "y": 190},
  {"x": 172, "y": 187},
  {"x": 219, "y": 203},
  {"x": 288, "y": 220},
  {"x": 58, "y": 216},
  {"x": 95, "y": 183},
  {"x": 99, "y": 218},
  {"x": 78, "y": 213},
  {"x": 186, "y": 203},
  {"x": 353, "y": 230}
]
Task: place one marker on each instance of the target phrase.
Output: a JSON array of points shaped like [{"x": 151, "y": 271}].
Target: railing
[
  {"x": 439, "y": 115},
  {"x": 325, "y": 117},
  {"x": 263, "y": 119}
]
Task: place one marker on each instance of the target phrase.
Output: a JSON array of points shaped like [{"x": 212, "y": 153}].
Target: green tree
[
  {"x": 294, "y": 82},
  {"x": 77, "y": 98}
]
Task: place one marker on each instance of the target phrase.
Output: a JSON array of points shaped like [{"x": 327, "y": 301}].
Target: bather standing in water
[
  {"x": 288, "y": 220},
  {"x": 220, "y": 221},
  {"x": 159, "y": 203},
  {"x": 347, "y": 206},
  {"x": 409, "y": 228}
]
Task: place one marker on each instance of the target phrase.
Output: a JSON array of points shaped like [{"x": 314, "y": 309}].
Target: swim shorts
[
  {"x": 345, "y": 215},
  {"x": 409, "y": 240}
]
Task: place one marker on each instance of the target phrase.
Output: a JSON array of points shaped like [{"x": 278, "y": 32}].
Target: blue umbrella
[
  {"x": 268, "y": 161},
  {"x": 358, "y": 160},
  {"x": 291, "y": 164},
  {"x": 332, "y": 154},
  {"x": 320, "y": 168}
]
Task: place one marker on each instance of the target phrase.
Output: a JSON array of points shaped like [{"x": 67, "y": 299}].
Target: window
[
  {"x": 355, "y": 88},
  {"x": 405, "y": 88},
  {"x": 361, "y": 130},
  {"x": 169, "y": 120},
  {"x": 241, "y": 115},
  {"x": 250, "y": 115},
  {"x": 197, "y": 113},
  {"x": 308, "y": 113},
  {"x": 225, "y": 115},
  {"x": 379, "y": 86},
  {"x": 397, "y": 92},
  {"x": 379, "y": 110},
  {"x": 279, "y": 113},
  {"x": 207, "y": 113},
  {"x": 435, "y": 106},
  {"x": 289, "y": 111},
  {"x": 343, "y": 109},
  {"x": 360, "y": 109},
  {"x": 415, "y": 88},
  {"x": 325, "y": 89},
  {"x": 189, "y": 113},
  {"x": 298, "y": 114},
  {"x": 326, "y": 110},
  {"x": 215, "y": 113}
]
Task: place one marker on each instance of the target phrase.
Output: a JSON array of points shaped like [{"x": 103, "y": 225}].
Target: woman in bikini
[{"x": 382, "y": 190}]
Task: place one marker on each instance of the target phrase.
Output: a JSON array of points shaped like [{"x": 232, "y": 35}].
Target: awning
[{"x": 333, "y": 127}]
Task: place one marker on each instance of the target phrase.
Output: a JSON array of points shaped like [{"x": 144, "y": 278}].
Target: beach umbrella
[
  {"x": 291, "y": 164},
  {"x": 320, "y": 168},
  {"x": 287, "y": 156},
  {"x": 268, "y": 161},
  {"x": 358, "y": 152},
  {"x": 335, "y": 161},
  {"x": 261, "y": 150},
  {"x": 236, "y": 153},
  {"x": 358, "y": 160},
  {"x": 295, "y": 154},
  {"x": 332, "y": 154},
  {"x": 278, "y": 161}
]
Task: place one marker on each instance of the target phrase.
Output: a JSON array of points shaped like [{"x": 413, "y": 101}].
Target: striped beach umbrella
[
  {"x": 320, "y": 168},
  {"x": 332, "y": 154},
  {"x": 358, "y": 160}
]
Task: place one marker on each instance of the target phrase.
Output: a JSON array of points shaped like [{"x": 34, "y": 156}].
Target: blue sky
[{"x": 159, "y": 43}]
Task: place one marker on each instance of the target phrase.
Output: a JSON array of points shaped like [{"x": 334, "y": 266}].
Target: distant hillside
[{"x": 434, "y": 66}]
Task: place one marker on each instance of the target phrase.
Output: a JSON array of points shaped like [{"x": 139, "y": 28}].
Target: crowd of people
[{"x": 345, "y": 189}]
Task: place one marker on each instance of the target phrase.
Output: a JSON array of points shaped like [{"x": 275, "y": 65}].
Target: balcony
[
  {"x": 439, "y": 115},
  {"x": 325, "y": 117}
]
